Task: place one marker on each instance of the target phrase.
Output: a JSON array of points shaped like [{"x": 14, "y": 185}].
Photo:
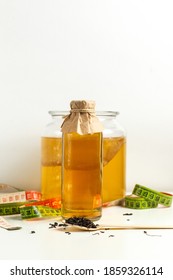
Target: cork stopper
[{"x": 82, "y": 118}]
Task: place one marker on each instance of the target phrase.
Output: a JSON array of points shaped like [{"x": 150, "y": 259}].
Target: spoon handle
[{"x": 134, "y": 227}]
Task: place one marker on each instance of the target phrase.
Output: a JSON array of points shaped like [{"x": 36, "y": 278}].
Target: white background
[{"x": 118, "y": 53}]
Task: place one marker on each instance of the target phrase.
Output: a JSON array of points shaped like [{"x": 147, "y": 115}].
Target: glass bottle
[
  {"x": 51, "y": 155},
  {"x": 82, "y": 163},
  {"x": 114, "y": 158}
]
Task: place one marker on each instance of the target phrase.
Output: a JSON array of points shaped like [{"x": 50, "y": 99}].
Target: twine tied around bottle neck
[{"x": 82, "y": 111}]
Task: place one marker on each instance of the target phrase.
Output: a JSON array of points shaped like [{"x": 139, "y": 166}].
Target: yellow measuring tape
[{"x": 144, "y": 198}]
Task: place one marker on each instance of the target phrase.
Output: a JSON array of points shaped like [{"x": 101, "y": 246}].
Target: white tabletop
[{"x": 55, "y": 244}]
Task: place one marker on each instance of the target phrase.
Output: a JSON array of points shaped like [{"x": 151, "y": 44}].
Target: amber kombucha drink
[
  {"x": 82, "y": 175},
  {"x": 114, "y": 153},
  {"x": 51, "y": 167}
]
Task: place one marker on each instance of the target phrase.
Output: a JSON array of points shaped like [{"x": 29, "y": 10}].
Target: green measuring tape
[
  {"x": 139, "y": 203},
  {"x": 28, "y": 212},
  {"x": 144, "y": 198},
  {"x": 10, "y": 208},
  {"x": 39, "y": 211}
]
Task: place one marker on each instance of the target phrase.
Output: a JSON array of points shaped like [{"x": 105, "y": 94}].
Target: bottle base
[{"x": 93, "y": 215}]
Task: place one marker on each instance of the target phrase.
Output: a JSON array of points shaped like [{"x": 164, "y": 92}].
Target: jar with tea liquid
[
  {"x": 82, "y": 162},
  {"x": 51, "y": 155},
  {"x": 114, "y": 158}
]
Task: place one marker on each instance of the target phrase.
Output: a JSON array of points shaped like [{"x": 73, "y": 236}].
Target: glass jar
[
  {"x": 114, "y": 158},
  {"x": 51, "y": 146}
]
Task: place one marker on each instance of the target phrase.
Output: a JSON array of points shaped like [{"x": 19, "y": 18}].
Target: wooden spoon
[{"x": 107, "y": 227}]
